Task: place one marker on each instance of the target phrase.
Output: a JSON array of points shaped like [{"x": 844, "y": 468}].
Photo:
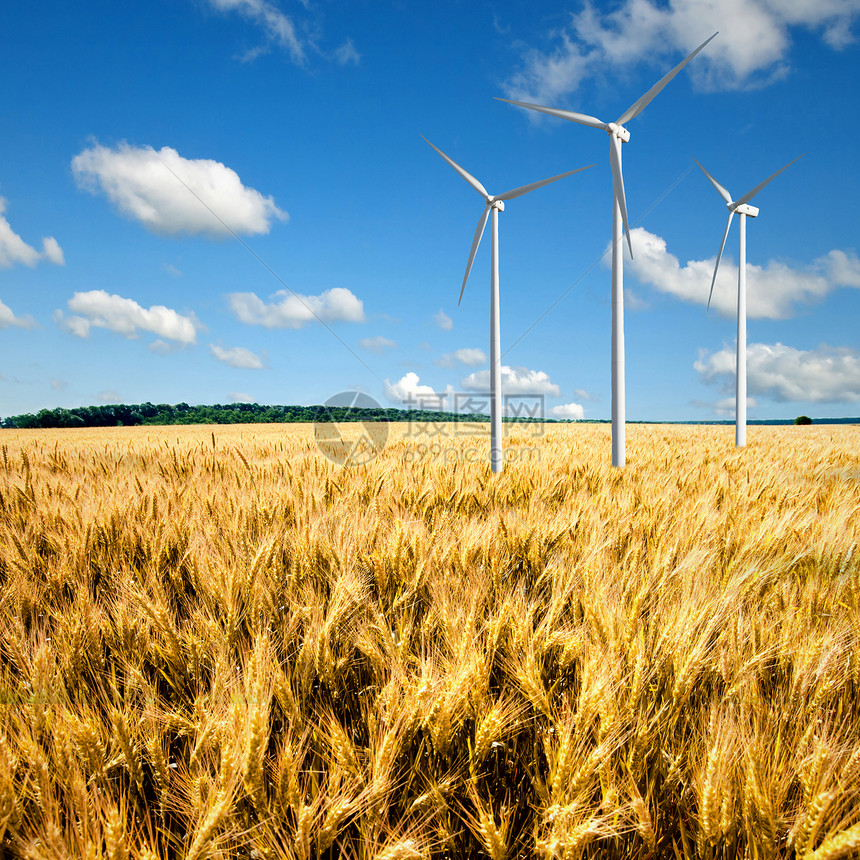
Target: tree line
[{"x": 125, "y": 415}]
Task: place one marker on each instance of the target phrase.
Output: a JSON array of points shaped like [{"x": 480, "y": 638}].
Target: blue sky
[{"x": 337, "y": 254}]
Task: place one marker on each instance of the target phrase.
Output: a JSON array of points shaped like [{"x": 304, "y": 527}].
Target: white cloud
[
  {"x": 110, "y": 396},
  {"x": 634, "y": 302},
  {"x": 443, "y": 320},
  {"x": 725, "y": 407},
  {"x": 772, "y": 290},
  {"x": 782, "y": 373},
  {"x": 59, "y": 384},
  {"x": 515, "y": 380},
  {"x": 8, "y": 318},
  {"x": 409, "y": 391},
  {"x": 346, "y": 53},
  {"x": 52, "y": 251},
  {"x": 278, "y": 28},
  {"x": 377, "y": 344},
  {"x": 241, "y": 397},
  {"x": 752, "y": 49},
  {"x": 14, "y": 250},
  {"x": 470, "y": 356},
  {"x": 294, "y": 310},
  {"x": 293, "y": 33},
  {"x": 172, "y": 270},
  {"x": 170, "y": 194},
  {"x": 842, "y": 269},
  {"x": 99, "y": 309},
  {"x": 568, "y": 410},
  {"x": 162, "y": 347},
  {"x": 582, "y": 394},
  {"x": 237, "y": 356}
]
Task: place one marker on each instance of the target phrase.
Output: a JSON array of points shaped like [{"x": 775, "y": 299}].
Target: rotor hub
[
  {"x": 498, "y": 204},
  {"x": 744, "y": 209},
  {"x": 618, "y": 131}
]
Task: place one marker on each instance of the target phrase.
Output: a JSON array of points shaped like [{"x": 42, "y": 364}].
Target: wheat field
[{"x": 217, "y": 643}]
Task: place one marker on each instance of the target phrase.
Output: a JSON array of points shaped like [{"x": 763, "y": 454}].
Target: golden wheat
[{"x": 221, "y": 644}]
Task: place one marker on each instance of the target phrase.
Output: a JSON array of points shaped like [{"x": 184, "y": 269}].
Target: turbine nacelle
[
  {"x": 618, "y": 130},
  {"x": 743, "y": 209},
  {"x": 494, "y": 201},
  {"x": 739, "y": 207},
  {"x": 618, "y": 135}
]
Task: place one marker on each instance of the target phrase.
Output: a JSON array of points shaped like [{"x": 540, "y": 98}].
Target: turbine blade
[
  {"x": 720, "y": 190},
  {"x": 720, "y": 257},
  {"x": 524, "y": 189},
  {"x": 750, "y": 194},
  {"x": 464, "y": 173},
  {"x": 637, "y": 107},
  {"x": 582, "y": 118},
  {"x": 618, "y": 184},
  {"x": 479, "y": 232}
]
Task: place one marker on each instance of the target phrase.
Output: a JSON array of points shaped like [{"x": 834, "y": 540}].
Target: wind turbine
[
  {"x": 742, "y": 208},
  {"x": 617, "y": 135},
  {"x": 495, "y": 204}
]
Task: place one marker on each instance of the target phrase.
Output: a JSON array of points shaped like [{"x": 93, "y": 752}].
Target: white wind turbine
[
  {"x": 495, "y": 204},
  {"x": 617, "y": 135},
  {"x": 742, "y": 208}
]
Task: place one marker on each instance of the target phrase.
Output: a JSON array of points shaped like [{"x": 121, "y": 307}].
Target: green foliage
[
  {"x": 803, "y": 419},
  {"x": 121, "y": 415}
]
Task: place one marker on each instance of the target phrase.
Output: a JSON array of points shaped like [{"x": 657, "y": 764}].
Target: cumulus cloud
[
  {"x": 52, "y": 251},
  {"x": 14, "y": 250},
  {"x": 785, "y": 374},
  {"x": 470, "y": 356},
  {"x": 278, "y": 28},
  {"x": 377, "y": 344},
  {"x": 752, "y": 49},
  {"x": 572, "y": 411},
  {"x": 171, "y": 195},
  {"x": 8, "y": 318},
  {"x": 293, "y": 310},
  {"x": 443, "y": 320},
  {"x": 409, "y": 391},
  {"x": 772, "y": 290},
  {"x": 99, "y": 309},
  {"x": 515, "y": 381},
  {"x": 237, "y": 356},
  {"x": 242, "y": 397},
  {"x": 842, "y": 269}
]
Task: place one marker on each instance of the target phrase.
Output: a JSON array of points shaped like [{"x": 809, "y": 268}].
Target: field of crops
[{"x": 214, "y": 642}]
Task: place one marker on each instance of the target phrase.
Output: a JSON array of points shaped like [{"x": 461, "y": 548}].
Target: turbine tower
[
  {"x": 617, "y": 135},
  {"x": 742, "y": 208},
  {"x": 495, "y": 204}
]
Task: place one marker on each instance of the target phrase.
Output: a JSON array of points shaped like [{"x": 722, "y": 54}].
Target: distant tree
[{"x": 803, "y": 419}]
